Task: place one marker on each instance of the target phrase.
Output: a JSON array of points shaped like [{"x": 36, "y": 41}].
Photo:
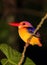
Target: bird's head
[{"x": 21, "y": 24}]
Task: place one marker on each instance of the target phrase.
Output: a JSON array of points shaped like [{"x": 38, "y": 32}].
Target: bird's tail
[{"x": 39, "y": 44}]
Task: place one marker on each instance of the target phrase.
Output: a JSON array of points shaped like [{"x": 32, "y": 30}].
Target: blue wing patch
[{"x": 30, "y": 29}]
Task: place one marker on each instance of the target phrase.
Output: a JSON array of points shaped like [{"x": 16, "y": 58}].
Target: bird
[{"x": 25, "y": 30}]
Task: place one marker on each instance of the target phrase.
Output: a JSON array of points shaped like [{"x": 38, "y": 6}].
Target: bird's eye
[{"x": 23, "y": 23}]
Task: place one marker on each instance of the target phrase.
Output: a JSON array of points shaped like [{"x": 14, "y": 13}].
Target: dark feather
[{"x": 31, "y": 30}]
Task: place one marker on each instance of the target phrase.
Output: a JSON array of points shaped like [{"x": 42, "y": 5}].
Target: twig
[
  {"x": 23, "y": 54},
  {"x": 39, "y": 25},
  {"x": 26, "y": 45}
]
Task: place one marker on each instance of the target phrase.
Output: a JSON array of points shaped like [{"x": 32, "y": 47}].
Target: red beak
[{"x": 13, "y": 24}]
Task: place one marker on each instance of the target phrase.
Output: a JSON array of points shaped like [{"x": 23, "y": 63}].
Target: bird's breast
[{"x": 24, "y": 34}]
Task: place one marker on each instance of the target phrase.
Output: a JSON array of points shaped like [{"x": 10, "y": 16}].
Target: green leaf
[
  {"x": 10, "y": 53},
  {"x": 29, "y": 62},
  {"x": 13, "y": 57},
  {"x": 5, "y": 62}
]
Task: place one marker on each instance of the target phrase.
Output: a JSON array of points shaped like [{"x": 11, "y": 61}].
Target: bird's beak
[{"x": 14, "y": 24}]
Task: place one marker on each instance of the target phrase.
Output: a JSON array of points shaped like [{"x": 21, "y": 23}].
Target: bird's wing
[{"x": 31, "y": 30}]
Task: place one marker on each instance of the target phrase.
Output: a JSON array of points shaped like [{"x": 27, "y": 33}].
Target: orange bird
[{"x": 25, "y": 30}]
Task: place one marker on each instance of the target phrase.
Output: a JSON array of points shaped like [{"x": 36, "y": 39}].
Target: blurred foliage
[{"x": 12, "y": 55}]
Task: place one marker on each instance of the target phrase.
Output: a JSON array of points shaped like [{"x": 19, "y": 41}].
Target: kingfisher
[{"x": 25, "y": 30}]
